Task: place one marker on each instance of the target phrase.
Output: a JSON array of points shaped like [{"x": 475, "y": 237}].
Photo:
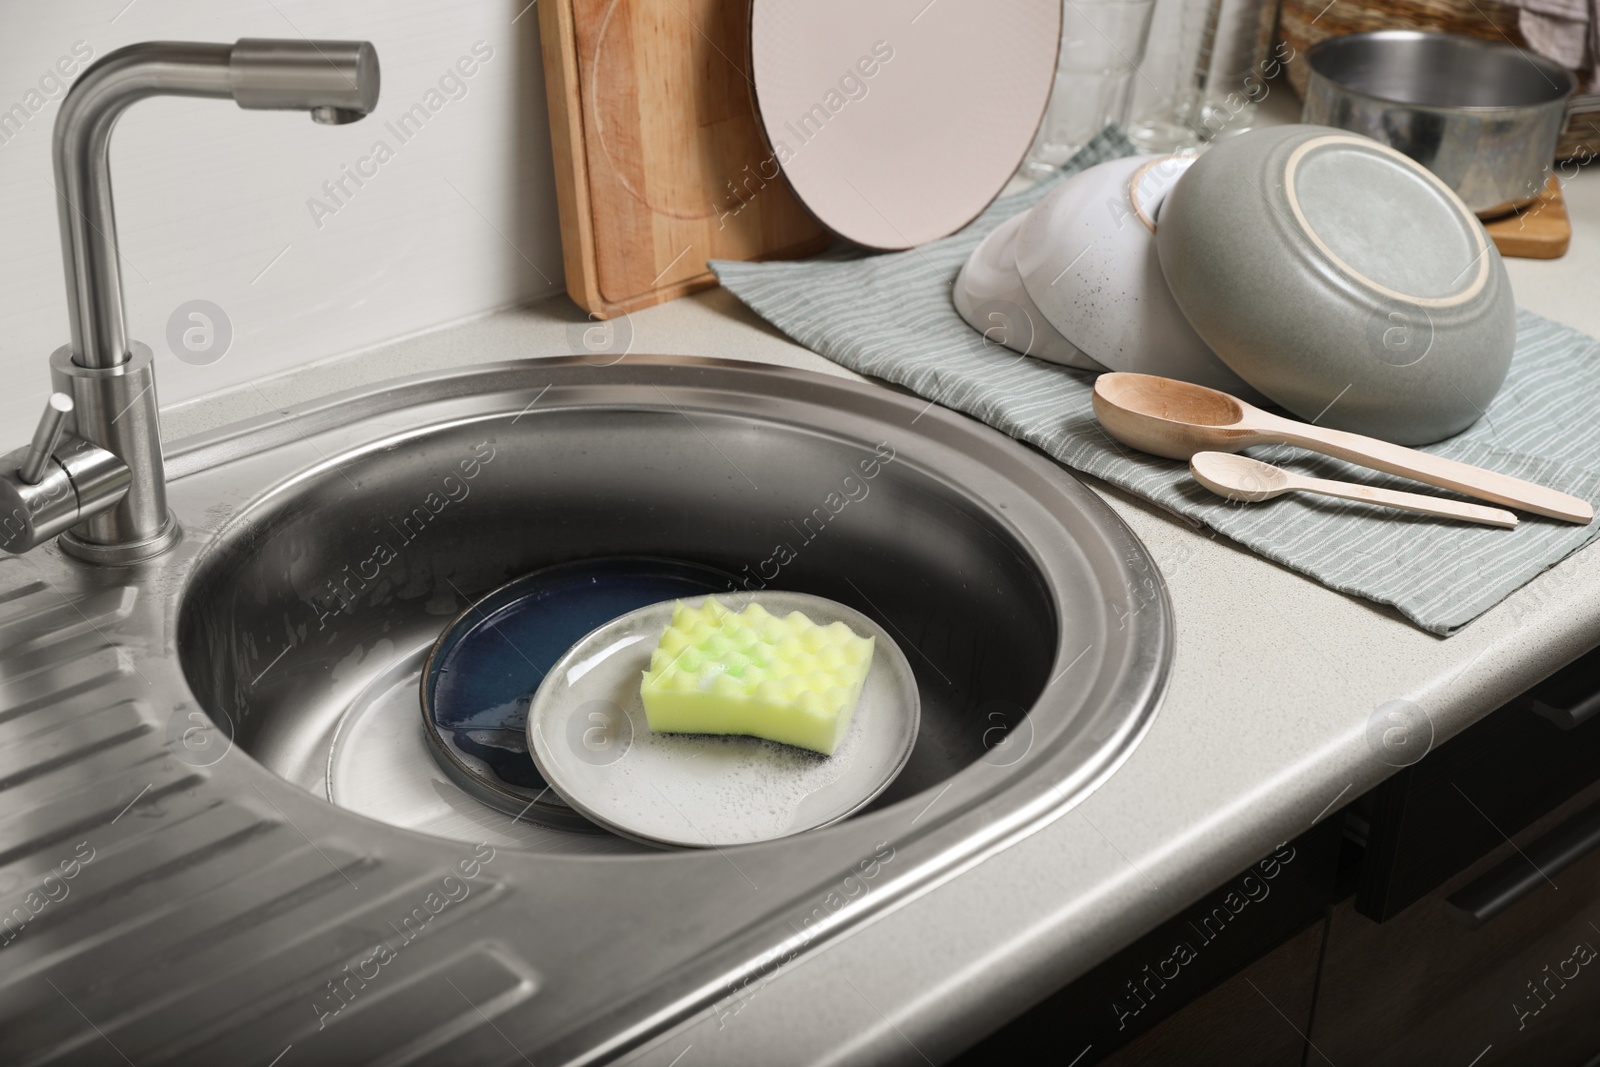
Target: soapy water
[
  {"x": 731, "y": 785},
  {"x": 712, "y": 787}
]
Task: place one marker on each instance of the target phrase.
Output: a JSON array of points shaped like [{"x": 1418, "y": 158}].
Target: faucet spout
[
  {"x": 256, "y": 73},
  {"x": 279, "y": 75},
  {"x": 110, "y": 378}
]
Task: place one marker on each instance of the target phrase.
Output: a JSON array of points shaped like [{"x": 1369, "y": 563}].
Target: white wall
[{"x": 208, "y": 195}]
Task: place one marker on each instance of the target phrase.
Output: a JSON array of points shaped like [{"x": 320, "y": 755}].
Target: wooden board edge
[
  {"x": 569, "y": 127},
  {"x": 1540, "y": 231},
  {"x": 558, "y": 41},
  {"x": 652, "y": 297},
  {"x": 1515, "y": 247},
  {"x": 609, "y": 309}
]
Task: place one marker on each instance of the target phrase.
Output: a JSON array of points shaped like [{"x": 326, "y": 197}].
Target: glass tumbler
[
  {"x": 1166, "y": 106},
  {"x": 1234, "y": 66},
  {"x": 1206, "y": 69},
  {"x": 1102, "y": 44}
]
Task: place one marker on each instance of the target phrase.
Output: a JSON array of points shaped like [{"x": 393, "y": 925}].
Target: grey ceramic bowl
[{"x": 1341, "y": 279}]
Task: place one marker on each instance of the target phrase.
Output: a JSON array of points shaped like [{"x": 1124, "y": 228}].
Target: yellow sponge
[{"x": 717, "y": 671}]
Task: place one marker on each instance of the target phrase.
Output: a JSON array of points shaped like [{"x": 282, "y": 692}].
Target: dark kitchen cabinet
[
  {"x": 1195, "y": 971},
  {"x": 1432, "y": 820},
  {"x": 1450, "y": 916},
  {"x": 1257, "y": 1018},
  {"x": 1423, "y": 987}
]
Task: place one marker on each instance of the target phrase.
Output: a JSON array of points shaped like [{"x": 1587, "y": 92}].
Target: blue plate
[{"x": 483, "y": 671}]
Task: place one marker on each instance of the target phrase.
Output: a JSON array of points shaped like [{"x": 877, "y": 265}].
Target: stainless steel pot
[{"x": 1483, "y": 116}]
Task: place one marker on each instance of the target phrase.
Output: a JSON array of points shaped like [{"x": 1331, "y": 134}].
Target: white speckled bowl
[
  {"x": 990, "y": 296},
  {"x": 1087, "y": 256},
  {"x": 1341, "y": 279}
]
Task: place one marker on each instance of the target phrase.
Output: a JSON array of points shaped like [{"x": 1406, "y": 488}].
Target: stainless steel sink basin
[{"x": 179, "y": 715}]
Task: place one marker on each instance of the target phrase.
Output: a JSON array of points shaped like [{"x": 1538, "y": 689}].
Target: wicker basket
[{"x": 1302, "y": 23}]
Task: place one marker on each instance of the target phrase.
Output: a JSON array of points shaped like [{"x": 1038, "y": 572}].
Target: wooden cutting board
[
  {"x": 1539, "y": 231},
  {"x": 660, "y": 160}
]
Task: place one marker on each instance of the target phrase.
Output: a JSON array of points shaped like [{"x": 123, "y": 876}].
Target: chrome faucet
[{"x": 93, "y": 472}]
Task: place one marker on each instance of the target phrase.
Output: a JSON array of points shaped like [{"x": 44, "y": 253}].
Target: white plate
[
  {"x": 897, "y": 121},
  {"x": 590, "y": 739},
  {"x": 1087, "y": 256},
  {"x": 990, "y": 296}
]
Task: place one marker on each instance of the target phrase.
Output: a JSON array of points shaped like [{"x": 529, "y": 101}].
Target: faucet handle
[{"x": 45, "y": 438}]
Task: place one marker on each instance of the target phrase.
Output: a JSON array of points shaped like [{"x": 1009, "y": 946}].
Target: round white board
[{"x": 897, "y": 121}]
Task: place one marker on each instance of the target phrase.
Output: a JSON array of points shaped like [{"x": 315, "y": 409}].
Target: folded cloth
[
  {"x": 1567, "y": 31},
  {"x": 890, "y": 316}
]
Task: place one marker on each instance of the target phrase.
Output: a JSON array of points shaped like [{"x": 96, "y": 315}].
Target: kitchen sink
[{"x": 181, "y": 716}]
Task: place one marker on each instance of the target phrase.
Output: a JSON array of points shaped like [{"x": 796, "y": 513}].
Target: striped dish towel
[{"x": 890, "y": 317}]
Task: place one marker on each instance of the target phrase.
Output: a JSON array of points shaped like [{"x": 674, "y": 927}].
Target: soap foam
[{"x": 729, "y": 786}]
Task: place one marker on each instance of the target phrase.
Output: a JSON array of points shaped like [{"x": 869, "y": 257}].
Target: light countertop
[{"x": 1263, "y": 731}]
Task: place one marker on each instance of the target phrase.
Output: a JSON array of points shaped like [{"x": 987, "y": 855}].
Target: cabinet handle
[
  {"x": 1569, "y": 697},
  {"x": 1567, "y": 718},
  {"x": 1516, "y": 877}
]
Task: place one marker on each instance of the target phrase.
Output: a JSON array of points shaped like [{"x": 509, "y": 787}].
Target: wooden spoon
[
  {"x": 1243, "y": 478},
  {"x": 1166, "y": 417}
]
